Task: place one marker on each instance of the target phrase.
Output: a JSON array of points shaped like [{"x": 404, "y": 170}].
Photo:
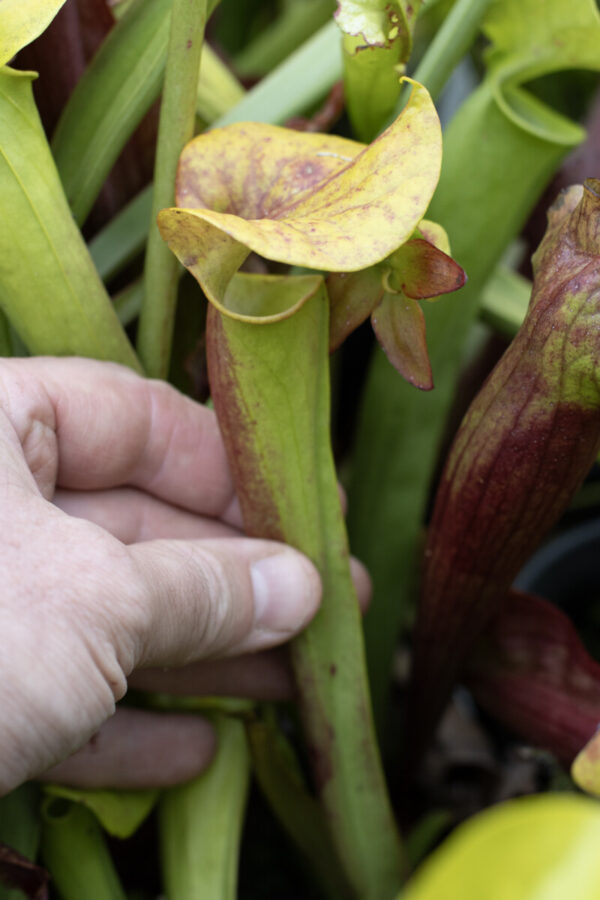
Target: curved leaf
[
  {"x": 304, "y": 199},
  {"x": 353, "y": 297},
  {"x": 21, "y": 21},
  {"x": 531, "y": 671},
  {"x": 529, "y": 40},
  {"x": 388, "y": 291},
  {"x": 543, "y": 847},
  {"x": 399, "y": 325},
  {"x": 290, "y": 90},
  {"x": 119, "y": 812},
  {"x": 49, "y": 288},
  {"x": 424, "y": 272},
  {"x": 418, "y": 270}
]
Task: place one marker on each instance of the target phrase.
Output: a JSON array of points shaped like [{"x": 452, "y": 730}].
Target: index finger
[{"x": 93, "y": 425}]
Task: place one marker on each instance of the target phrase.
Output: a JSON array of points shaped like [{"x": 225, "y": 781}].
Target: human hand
[{"x": 133, "y": 566}]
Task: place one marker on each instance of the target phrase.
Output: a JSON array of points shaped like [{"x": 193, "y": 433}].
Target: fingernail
[{"x": 287, "y": 592}]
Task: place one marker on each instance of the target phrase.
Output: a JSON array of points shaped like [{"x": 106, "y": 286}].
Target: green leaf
[
  {"x": 218, "y": 88},
  {"x": 399, "y": 325},
  {"x": 21, "y": 21},
  {"x": 530, "y": 40},
  {"x": 371, "y": 85},
  {"x": 543, "y": 847},
  {"x": 299, "y": 82},
  {"x": 425, "y": 834},
  {"x": 311, "y": 200},
  {"x": 119, "y": 812},
  {"x": 19, "y": 822},
  {"x": 387, "y": 292},
  {"x": 353, "y": 297},
  {"x": 290, "y": 90},
  {"x": 278, "y": 772},
  {"x": 270, "y": 387},
  {"x": 487, "y": 188},
  {"x": 421, "y": 270},
  {"x": 74, "y": 849},
  {"x": 124, "y": 237},
  {"x": 109, "y": 101},
  {"x": 49, "y": 288},
  {"x": 505, "y": 300},
  {"x": 201, "y": 822},
  {"x": 175, "y": 128},
  {"x": 277, "y": 40},
  {"x": 455, "y": 31}
]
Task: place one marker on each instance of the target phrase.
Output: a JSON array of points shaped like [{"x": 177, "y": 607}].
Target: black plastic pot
[{"x": 566, "y": 571}]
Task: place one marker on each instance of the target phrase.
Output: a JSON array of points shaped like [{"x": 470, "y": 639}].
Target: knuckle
[
  {"x": 209, "y": 598},
  {"x": 28, "y": 408}
]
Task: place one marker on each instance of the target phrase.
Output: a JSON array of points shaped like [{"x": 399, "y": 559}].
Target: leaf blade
[
  {"x": 49, "y": 287},
  {"x": 543, "y": 846},
  {"x": 21, "y": 23},
  {"x": 348, "y": 207}
]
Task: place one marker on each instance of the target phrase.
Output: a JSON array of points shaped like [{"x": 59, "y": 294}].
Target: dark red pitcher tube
[{"x": 524, "y": 447}]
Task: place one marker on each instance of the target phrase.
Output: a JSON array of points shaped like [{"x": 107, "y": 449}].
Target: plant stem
[
  {"x": 450, "y": 44},
  {"x": 201, "y": 822},
  {"x": 176, "y": 128}
]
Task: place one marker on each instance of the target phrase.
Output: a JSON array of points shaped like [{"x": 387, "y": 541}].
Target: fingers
[
  {"x": 265, "y": 676},
  {"x": 362, "y": 583},
  {"x": 258, "y": 676},
  {"x": 197, "y": 599},
  {"x": 136, "y": 749},
  {"x": 133, "y": 516},
  {"x": 143, "y": 433}
]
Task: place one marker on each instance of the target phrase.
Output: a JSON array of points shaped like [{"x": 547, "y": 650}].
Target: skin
[{"x": 123, "y": 563}]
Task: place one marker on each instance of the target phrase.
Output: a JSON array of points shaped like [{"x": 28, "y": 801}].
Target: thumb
[{"x": 219, "y": 597}]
